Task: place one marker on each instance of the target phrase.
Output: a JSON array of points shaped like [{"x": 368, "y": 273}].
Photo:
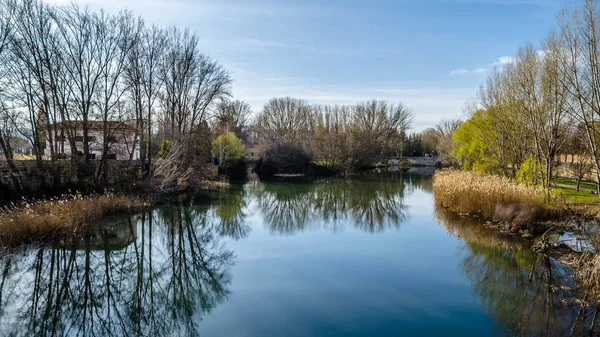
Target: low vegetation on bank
[
  {"x": 491, "y": 197},
  {"x": 58, "y": 218}
]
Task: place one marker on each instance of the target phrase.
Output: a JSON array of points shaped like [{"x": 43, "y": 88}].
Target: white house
[{"x": 122, "y": 140}]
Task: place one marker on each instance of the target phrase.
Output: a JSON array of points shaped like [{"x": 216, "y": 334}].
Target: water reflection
[
  {"x": 526, "y": 293},
  {"x": 228, "y": 207},
  {"x": 175, "y": 271},
  {"x": 162, "y": 272},
  {"x": 372, "y": 202}
]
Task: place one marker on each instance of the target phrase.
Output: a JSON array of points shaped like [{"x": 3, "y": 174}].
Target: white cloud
[
  {"x": 501, "y": 62},
  {"x": 458, "y": 72},
  {"x": 504, "y": 60},
  {"x": 541, "y": 54}
]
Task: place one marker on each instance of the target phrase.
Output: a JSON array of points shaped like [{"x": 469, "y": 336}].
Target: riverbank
[
  {"x": 58, "y": 218},
  {"x": 493, "y": 198},
  {"x": 513, "y": 209}
]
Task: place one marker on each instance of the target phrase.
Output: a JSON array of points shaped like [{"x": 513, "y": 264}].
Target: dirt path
[{"x": 584, "y": 189}]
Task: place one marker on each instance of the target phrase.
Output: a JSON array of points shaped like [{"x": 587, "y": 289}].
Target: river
[{"x": 366, "y": 256}]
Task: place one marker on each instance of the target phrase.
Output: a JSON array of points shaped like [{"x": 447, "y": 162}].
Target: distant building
[
  {"x": 122, "y": 140},
  {"x": 573, "y": 158},
  {"x": 256, "y": 150},
  {"x": 22, "y": 149}
]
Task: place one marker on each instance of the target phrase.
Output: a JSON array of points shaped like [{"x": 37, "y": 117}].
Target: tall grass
[
  {"x": 489, "y": 196},
  {"x": 59, "y": 218}
]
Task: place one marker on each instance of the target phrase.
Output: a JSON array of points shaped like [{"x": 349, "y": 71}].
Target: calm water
[{"x": 368, "y": 256}]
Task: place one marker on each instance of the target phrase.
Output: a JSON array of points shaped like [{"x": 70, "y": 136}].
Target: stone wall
[{"x": 57, "y": 178}]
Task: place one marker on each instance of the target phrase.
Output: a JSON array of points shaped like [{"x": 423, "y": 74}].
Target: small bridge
[{"x": 415, "y": 161}]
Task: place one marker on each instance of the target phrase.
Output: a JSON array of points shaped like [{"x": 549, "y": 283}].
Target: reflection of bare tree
[
  {"x": 373, "y": 203},
  {"x": 528, "y": 294},
  {"x": 174, "y": 273},
  {"x": 286, "y": 208}
]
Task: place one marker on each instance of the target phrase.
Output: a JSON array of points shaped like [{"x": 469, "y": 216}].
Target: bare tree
[
  {"x": 542, "y": 100},
  {"x": 173, "y": 169},
  {"x": 116, "y": 35},
  {"x": 66, "y": 69},
  {"x": 144, "y": 83},
  {"x": 192, "y": 84},
  {"x": 6, "y": 133},
  {"x": 81, "y": 33},
  {"x": 378, "y": 130},
  {"x": 333, "y": 138},
  {"x": 557, "y": 119},
  {"x": 233, "y": 116},
  {"x": 581, "y": 69},
  {"x": 6, "y": 115},
  {"x": 36, "y": 70},
  {"x": 444, "y": 144},
  {"x": 285, "y": 120}
]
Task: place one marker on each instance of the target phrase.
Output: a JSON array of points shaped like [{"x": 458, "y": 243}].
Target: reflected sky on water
[{"x": 330, "y": 257}]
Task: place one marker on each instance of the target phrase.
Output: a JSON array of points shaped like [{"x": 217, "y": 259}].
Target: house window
[
  {"x": 91, "y": 139},
  {"x": 112, "y": 156},
  {"x": 91, "y": 156},
  {"x": 112, "y": 139},
  {"x": 79, "y": 138}
]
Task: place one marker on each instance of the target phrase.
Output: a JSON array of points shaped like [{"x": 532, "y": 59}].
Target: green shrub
[
  {"x": 530, "y": 172},
  {"x": 228, "y": 149}
]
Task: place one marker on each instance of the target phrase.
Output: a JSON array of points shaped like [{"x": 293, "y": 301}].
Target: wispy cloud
[
  {"x": 458, "y": 72},
  {"x": 504, "y": 60},
  {"x": 501, "y": 62}
]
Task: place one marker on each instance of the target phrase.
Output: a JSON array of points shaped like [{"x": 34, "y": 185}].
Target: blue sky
[{"x": 430, "y": 54}]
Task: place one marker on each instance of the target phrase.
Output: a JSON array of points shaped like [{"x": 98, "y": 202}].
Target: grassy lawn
[
  {"x": 584, "y": 184},
  {"x": 581, "y": 197}
]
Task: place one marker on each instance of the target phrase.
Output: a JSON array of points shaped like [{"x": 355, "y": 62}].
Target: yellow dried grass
[
  {"x": 58, "y": 218},
  {"x": 473, "y": 193}
]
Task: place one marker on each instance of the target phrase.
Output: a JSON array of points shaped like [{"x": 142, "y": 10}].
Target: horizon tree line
[
  {"x": 65, "y": 67},
  {"x": 343, "y": 137}
]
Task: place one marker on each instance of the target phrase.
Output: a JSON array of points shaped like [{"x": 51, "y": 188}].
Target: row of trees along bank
[
  {"x": 63, "y": 68},
  {"x": 340, "y": 138},
  {"x": 543, "y": 104},
  {"x": 66, "y": 70}
]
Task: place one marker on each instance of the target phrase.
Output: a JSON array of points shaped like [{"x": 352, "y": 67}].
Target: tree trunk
[
  {"x": 86, "y": 144},
  {"x": 15, "y": 176}
]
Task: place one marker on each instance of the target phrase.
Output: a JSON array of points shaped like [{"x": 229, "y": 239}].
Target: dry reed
[
  {"x": 489, "y": 196},
  {"x": 215, "y": 184},
  {"x": 59, "y": 218},
  {"x": 587, "y": 269}
]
